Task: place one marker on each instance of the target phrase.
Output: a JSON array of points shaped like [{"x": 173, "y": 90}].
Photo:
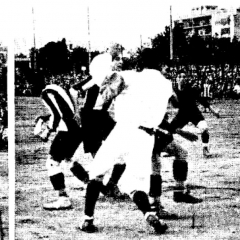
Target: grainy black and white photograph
[
  {"x": 87, "y": 76},
  {"x": 4, "y": 183},
  {"x": 4, "y": 174}
]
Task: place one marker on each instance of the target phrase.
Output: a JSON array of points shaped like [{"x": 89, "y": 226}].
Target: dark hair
[
  {"x": 115, "y": 50},
  {"x": 148, "y": 59}
]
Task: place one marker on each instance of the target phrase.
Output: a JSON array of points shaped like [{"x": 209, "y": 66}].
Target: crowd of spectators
[
  {"x": 221, "y": 79},
  {"x": 65, "y": 80}
]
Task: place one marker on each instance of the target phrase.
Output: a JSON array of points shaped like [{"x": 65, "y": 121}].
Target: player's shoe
[
  {"x": 159, "y": 226},
  {"x": 163, "y": 213},
  {"x": 62, "y": 203},
  {"x": 185, "y": 197},
  {"x": 206, "y": 152},
  {"x": 88, "y": 226}
]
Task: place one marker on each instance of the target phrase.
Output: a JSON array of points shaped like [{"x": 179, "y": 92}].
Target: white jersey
[{"x": 144, "y": 100}]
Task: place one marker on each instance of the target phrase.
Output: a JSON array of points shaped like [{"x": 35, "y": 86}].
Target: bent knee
[
  {"x": 53, "y": 167},
  {"x": 202, "y": 126}
]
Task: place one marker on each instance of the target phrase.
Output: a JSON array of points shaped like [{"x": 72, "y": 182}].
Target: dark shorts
[
  {"x": 182, "y": 118},
  {"x": 65, "y": 144},
  {"x": 161, "y": 141}
]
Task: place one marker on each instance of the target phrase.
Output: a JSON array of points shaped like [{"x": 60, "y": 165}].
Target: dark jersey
[
  {"x": 189, "y": 98},
  {"x": 96, "y": 124},
  {"x": 188, "y": 111}
]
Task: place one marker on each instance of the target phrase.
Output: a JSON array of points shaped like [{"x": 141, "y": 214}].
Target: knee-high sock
[
  {"x": 117, "y": 172},
  {"x": 155, "y": 186},
  {"x": 205, "y": 137},
  {"x": 140, "y": 198},
  {"x": 180, "y": 171},
  {"x": 92, "y": 194},
  {"x": 79, "y": 172},
  {"x": 58, "y": 183}
]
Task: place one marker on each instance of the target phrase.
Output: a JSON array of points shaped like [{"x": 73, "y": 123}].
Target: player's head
[
  {"x": 148, "y": 59},
  {"x": 181, "y": 80},
  {"x": 116, "y": 52},
  {"x": 117, "y": 62}
]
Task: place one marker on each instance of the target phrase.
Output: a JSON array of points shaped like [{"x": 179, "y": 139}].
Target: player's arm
[
  {"x": 55, "y": 114},
  {"x": 77, "y": 108},
  {"x": 84, "y": 85},
  {"x": 172, "y": 130},
  {"x": 45, "y": 118},
  {"x": 111, "y": 88},
  {"x": 81, "y": 86}
]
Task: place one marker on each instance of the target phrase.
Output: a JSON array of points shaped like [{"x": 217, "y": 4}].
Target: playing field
[
  {"x": 216, "y": 180},
  {"x": 4, "y": 224}
]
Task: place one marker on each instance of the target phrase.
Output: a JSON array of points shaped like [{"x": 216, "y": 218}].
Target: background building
[{"x": 212, "y": 21}]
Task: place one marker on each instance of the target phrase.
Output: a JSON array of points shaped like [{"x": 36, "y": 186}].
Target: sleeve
[
  {"x": 78, "y": 86},
  {"x": 54, "y": 112}
]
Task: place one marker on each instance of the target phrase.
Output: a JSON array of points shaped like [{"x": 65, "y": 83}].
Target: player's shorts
[
  {"x": 161, "y": 140},
  {"x": 182, "y": 118},
  {"x": 65, "y": 144}
]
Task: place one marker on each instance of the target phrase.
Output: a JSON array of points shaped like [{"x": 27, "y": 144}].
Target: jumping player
[
  {"x": 164, "y": 142},
  {"x": 129, "y": 142}
]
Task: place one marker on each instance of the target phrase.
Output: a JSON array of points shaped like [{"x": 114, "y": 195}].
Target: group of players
[{"x": 129, "y": 145}]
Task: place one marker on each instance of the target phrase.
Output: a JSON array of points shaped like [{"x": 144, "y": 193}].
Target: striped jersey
[{"x": 61, "y": 106}]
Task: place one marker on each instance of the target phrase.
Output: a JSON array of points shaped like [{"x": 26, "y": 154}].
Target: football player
[
  {"x": 128, "y": 143},
  {"x": 188, "y": 111},
  {"x": 61, "y": 104},
  {"x": 164, "y": 142},
  {"x": 89, "y": 125}
]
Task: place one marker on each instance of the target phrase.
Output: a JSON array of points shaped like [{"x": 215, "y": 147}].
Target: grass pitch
[{"x": 216, "y": 180}]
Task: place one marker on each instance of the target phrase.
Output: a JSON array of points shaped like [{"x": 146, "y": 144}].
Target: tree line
[{"x": 56, "y": 58}]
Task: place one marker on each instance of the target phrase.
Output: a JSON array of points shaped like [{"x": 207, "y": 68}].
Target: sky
[{"x": 128, "y": 22}]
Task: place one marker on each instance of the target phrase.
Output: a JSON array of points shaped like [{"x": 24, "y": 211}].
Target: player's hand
[
  {"x": 45, "y": 135},
  {"x": 42, "y": 130},
  {"x": 77, "y": 118}
]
